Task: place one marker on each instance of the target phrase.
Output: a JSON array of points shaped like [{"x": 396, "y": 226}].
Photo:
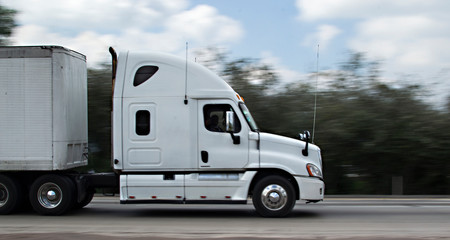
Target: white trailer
[
  {"x": 43, "y": 109},
  {"x": 181, "y": 134}
]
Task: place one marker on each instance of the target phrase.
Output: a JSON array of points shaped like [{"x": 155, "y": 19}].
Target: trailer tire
[
  {"x": 11, "y": 194},
  {"x": 52, "y": 194},
  {"x": 273, "y": 196}
]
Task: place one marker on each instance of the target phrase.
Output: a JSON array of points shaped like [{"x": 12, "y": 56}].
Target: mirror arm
[
  {"x": 305, "y": 151},
  {"x": 305, "y": 136},
  {"x": 236, "y": 139}
]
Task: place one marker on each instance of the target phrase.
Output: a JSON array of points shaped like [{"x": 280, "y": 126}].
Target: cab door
[
  {"x": 140, "y": 149},
  {"x": 216, "y": 147}
]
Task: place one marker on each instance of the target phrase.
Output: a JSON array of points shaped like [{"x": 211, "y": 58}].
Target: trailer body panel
[{"x": 43, "y": 109}]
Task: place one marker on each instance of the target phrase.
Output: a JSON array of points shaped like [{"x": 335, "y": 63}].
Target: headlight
[{"x": 313, "y": 170}]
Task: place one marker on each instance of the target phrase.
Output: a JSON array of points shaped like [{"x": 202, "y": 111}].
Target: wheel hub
[
  {"x": 274, "y": 197},
  {"x": 49, "y": 195}
]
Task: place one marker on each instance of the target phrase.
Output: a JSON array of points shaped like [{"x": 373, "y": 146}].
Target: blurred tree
[
  {"x": 254, "y": 81},
  {"x": 7, "y": 24},
  {"x": 371, "y": 132},
  {"x": 99, "y": 110},
  {"x": 448, "y": 104}
]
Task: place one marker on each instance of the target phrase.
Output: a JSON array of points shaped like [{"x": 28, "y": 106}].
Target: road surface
[{"x": 106, "y": 219}]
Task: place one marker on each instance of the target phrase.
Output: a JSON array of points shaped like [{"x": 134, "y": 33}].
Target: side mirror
[
  {"x": 305, "y": 136},
  {"x": 229, "y": 121},
  {"x": 229, "y": 127}
]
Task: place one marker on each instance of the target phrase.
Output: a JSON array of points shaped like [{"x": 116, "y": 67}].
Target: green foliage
[
  {"x": 7, "y": 24},
  {"x": 99, "y": 110},
  {"x": 375, "y": 132}
]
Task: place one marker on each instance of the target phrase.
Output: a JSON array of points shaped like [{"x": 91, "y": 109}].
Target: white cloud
[
  {"x": 204, "y": 24},
  {"x": 102, "y": 15},
  {"x": 323, "y": 36},
  {"x": 90, "y": 26},
  {"x": 357, "y": 9},
  {"x": 409, "y": 36},
  {"x": 322, "y": 82},
  {"x": 90, "y": 43},
  {"x": 286, "y": 75},
  {"x": 408, "y": 43},
  {"x": 406, "y": 34}
]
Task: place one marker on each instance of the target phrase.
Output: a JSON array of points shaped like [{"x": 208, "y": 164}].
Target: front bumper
[{"x": 311, "y": 189}]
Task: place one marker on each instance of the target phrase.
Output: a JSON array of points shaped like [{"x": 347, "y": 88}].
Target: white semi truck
[{"x": 181, "y": 134}]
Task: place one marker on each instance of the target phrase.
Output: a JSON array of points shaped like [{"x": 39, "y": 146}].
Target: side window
[
  {"x": 142, "y": 122},
  {"x": 215, "y": 117},
  {"x": 143, "y": 74}
]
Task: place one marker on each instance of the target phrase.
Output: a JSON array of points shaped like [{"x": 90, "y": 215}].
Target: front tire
[
  {"x": 52, "y": 194},
  {"x": 273, "y": 196},
  {"x": 11, "y": 195}
]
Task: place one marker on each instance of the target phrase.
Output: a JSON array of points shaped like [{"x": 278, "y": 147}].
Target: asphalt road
[{"x": 335, "y": 218}]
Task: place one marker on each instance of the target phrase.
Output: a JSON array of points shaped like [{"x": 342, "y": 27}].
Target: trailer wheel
[
  {"x": 52, "y": 194},
  {"x": 273, "y": 196},
  {"x": 11, "y": 196}
]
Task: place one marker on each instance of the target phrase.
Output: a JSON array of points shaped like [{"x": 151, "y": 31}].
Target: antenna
[
  {"x": 315, "y": 95},
  {"x": 186, "y": 76}
]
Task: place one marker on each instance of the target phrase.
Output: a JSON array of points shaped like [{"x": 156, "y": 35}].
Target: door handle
[{"x": 204, "y": 156}]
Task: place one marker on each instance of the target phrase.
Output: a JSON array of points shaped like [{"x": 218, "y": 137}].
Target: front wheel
[
  {"x": 52, "y": 194},
  {"x": 273, "y": 196}
]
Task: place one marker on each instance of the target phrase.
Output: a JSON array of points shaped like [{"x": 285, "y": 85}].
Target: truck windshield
[{"x": 248, "y": 117}]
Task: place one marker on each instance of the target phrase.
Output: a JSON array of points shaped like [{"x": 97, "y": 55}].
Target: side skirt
[{"x": 183, "y": 201}]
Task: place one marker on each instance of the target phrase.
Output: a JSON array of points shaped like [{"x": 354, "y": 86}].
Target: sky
[{"x": 411, "y": 38}]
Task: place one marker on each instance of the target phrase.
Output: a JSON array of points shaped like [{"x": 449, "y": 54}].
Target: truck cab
[{"x": 181, "y": 134}]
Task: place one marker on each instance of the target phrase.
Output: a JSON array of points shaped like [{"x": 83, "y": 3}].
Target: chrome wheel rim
[
  {"x": 49, "y": 195},
  {"x": 4, "y": 195},
  {"x": 274, "y": 197}
]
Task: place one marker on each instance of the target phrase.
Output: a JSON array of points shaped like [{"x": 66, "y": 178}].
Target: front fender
[{"x": 286, "y": 154}]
